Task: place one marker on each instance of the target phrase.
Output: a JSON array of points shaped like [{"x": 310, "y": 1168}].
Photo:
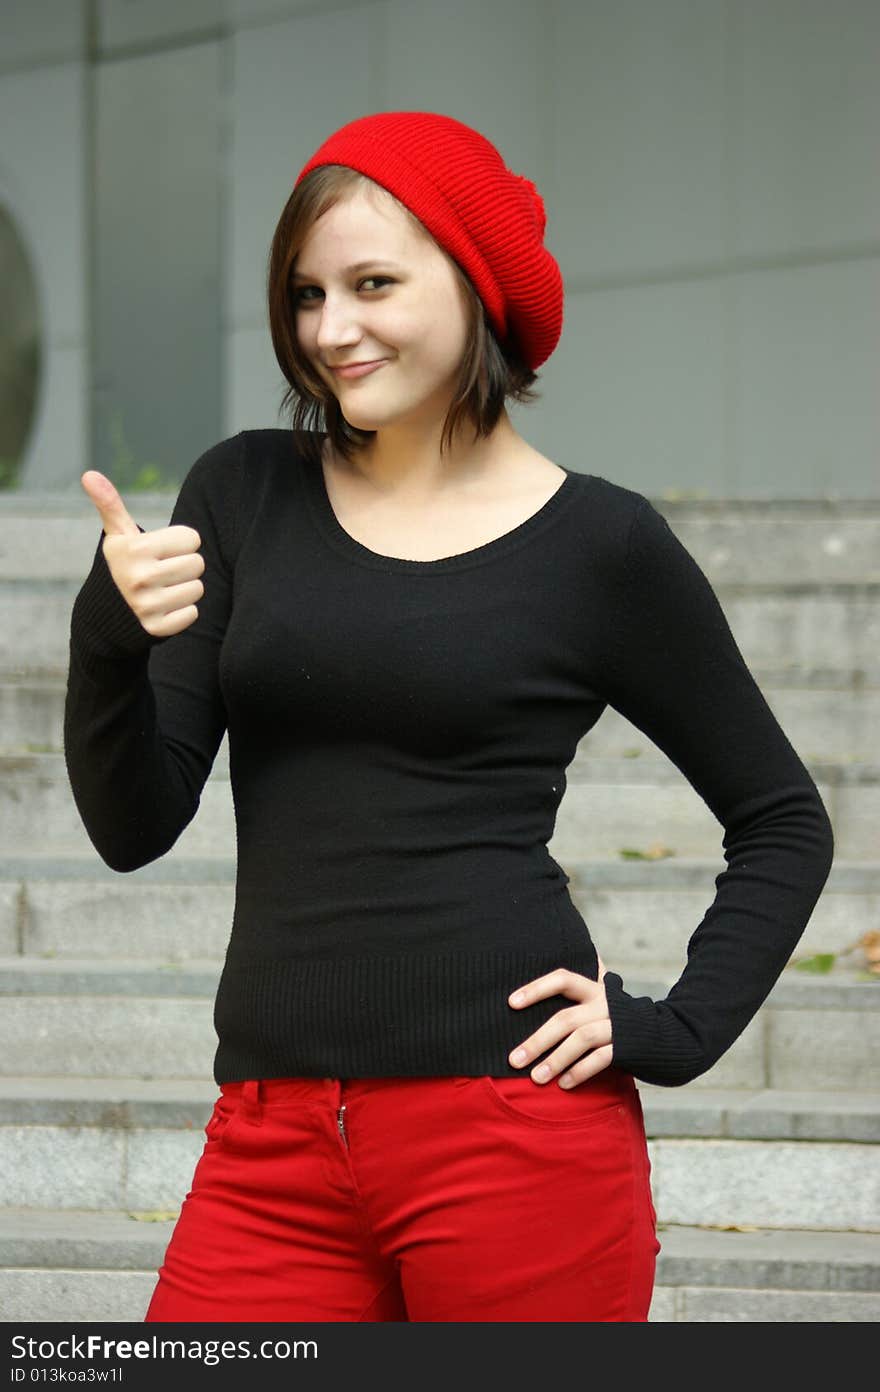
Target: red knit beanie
[{"x": 490, "y": 220}]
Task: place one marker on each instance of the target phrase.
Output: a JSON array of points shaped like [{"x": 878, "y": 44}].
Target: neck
[{"x": 403, "y": 461}]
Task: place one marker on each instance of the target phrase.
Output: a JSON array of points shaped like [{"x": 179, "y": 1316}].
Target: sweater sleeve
[
  {"x": 678, "y": 675},
  {"x": 144, "y": 716}
]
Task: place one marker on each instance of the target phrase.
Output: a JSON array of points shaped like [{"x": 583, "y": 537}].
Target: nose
[{"x": 336, "y": 328}]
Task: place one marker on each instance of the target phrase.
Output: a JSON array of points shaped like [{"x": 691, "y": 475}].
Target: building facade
[{"x": 709, "y": 172}]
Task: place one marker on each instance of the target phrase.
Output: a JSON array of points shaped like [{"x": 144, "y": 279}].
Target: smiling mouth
[{"x": 359, "y": 369}]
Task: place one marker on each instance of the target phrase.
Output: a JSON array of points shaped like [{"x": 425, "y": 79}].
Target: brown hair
[{"x": 488, "y": 375}]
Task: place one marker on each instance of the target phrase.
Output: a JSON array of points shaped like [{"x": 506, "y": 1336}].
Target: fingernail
[
  {"x": 518, "y": 1056},
  {"x": 517, "y": 998},
  {"x": 543, "y": 1071}
]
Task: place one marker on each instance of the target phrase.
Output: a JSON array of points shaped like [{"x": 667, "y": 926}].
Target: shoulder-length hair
[{"x": 488, "y": 374}]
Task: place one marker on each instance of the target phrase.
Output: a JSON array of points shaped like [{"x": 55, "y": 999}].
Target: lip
[{"x": 359, "y": 369}]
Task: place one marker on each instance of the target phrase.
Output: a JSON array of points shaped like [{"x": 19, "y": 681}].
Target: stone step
[
  {"x": 179, "y": 908},
  {"x": 126, "y": 1143},
  {"x": 794, "y": 629},
  {"x": 826, "y": 720},
  {"x": 143, "y": 1019},
  {"x": 757, "y": 1114},
  {"x": 53, "y": 534},
  {"x": 609, "y": 801},
  {"x": 639, "y": 911},
  {"x": 103, "y": 1266},
  {"x": 845, "y": 990},
  {"x": 832, "y": 721},
  {"x": 93, "y": 1267},
  {"x": 610, "y": 804}
]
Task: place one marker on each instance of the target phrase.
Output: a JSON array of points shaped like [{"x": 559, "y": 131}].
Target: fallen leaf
[
  {"x": 822, "y": 962},
  {"x": 730, "y": 1227},
  {"x": 655, "y": 852},
  {"x": 870, "y": 944}
]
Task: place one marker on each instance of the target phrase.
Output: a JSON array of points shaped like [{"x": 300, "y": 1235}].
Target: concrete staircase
[{"x": 765, "y": 1171}]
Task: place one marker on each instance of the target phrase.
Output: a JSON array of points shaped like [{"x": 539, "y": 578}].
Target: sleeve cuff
[
  {"x": 649, "y": 1039},
  {"x": 102, "y": 626}
]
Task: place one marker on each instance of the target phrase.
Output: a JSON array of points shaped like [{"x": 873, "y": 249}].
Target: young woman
[{"x": 407, "y": 617}]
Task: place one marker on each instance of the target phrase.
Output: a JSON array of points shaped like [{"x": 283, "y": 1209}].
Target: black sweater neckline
[{"x": 341, "y": 540}]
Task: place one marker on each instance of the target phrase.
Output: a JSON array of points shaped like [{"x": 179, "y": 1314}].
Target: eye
[{"x": 375, "y": 280}]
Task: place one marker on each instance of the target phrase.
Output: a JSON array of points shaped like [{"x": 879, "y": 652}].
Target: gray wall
[{"x": 709, "y": 169}]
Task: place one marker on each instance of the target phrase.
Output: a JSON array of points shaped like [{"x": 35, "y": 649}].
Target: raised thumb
[{"x": 115, "y": 518}]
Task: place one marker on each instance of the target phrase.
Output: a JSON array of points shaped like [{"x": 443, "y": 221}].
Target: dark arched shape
[{"x": 21, "y": 349}]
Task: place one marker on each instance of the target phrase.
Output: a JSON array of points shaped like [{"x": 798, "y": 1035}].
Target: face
[{"x": 404, "y": 305}]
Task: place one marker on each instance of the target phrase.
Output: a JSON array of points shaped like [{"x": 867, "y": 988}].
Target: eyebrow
[{"x": 358, "y": 266}]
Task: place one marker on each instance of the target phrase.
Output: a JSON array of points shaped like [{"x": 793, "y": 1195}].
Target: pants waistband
[{"x": 253, "y": 1094}]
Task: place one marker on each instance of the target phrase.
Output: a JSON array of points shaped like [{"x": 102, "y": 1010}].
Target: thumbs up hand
[{"x": 157, "y": 573}]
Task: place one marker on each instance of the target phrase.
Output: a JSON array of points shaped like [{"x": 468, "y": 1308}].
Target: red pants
[{"x": 421, "y": 1199}]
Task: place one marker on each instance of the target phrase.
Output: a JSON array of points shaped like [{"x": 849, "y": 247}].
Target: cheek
[
  {"x": 307, "y": 343},
  {"x": 433, "y": 345},
  {"x": 304, "y": 334},
  {"x": 444, "y": 338}
]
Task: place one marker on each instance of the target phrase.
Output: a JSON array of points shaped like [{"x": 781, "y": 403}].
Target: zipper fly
[{"x": 340, "y": 1122}]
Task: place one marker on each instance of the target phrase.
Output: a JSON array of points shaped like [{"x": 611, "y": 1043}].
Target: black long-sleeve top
[{"x": 399, "y": 732}]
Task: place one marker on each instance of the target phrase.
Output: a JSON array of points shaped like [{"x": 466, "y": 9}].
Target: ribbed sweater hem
[{"x": 429, "y": 1014}]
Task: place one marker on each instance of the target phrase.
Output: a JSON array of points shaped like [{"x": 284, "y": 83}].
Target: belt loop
[{"x": 251, "y": 1104}]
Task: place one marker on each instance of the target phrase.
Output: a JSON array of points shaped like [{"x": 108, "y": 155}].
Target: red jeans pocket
[
  {"x": 227, "y": 1109},
  {"x": 590, "y": 1103}
]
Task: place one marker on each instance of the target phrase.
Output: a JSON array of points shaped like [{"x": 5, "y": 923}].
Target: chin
[{"x": 369, "y": 420}]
